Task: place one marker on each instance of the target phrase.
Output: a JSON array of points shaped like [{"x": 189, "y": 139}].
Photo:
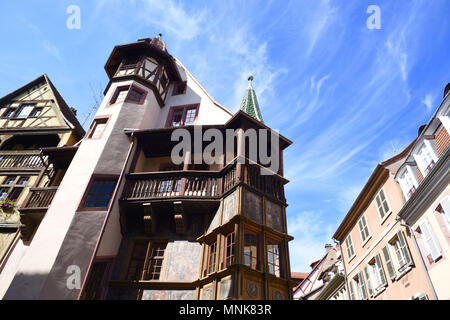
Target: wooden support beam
[
  {"x": 180, "y": 217},
  {"x": 149, "y": 219}
]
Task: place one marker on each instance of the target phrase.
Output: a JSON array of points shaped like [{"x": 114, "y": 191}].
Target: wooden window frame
[
  {"x": 97, "y": 177},
  {"x": 257, "y": 258},
  {"x": 150, "y": 258},
  {"x": 113, "y": 99},
  {"x": 94, "y": 125},
  {"x": 14, "y": 185},
  {"x": 130, "y": 257},
  {"x": 272, "y": 241},
  {"x": 9, "y": 109},
  {"x": 103, "y": 285},
  {"x": 230, "y": 259},
  {"x": 186, "y": 107},
  {"x": 211, "y": 268},
  {"x": 175, "y": 91}
]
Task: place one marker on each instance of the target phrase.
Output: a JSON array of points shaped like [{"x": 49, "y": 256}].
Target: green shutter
[
  {"x": 380, "y": 269},
  {"x": 389, "y": 264},
  {"x": 369, "y": 282},
  {"x": 404, "y": 248}
]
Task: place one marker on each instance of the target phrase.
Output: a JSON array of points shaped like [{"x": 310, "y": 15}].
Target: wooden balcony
[
  {"x": 21, "y": 160},
  {"x": 40, "y": 198},
  {"x": 201, "y": 184}
]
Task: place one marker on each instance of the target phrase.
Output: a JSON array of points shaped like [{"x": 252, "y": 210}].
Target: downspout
[
  {"x": 345, "y": 270},
  {"x": 108, "y": 213},
  {"x": 411, "y": 231}
]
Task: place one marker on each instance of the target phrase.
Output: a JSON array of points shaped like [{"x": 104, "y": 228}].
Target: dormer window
[
  {"x": 407, "y": 181},
  {"x": 425, "y": 157}
]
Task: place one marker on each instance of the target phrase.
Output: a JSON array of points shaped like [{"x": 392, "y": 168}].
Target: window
[
  {"x": 251, "y": 249},
  {"x": 98, "y": 127},
  {"x": 382, "y": 204},
  {"x": 24, "y": 110},
  {"x": 376, "y": 279},
  {"x": 136, "y": 95},
  {"x": 12, "y": 187},
  {"x": 36, "y": 112},
  {"x": 360, "y": 287},
  {"x": 273, "y": 257},
  {"x": 407, "y": 182},
  {"x": 229, "y": 249},
  {"x": 99, "y": 193},
  {"x": 179, "y": 88},
  {"x": 136, "y": 263},
  {"x": 9, "y": 112},
  {"x": 349, "y": 245},
  {"x": 182, "y": 116},
  {"x": 120, "y": 95},
  {"x": 363, "y": 229},
  {"x": 433, "y": 253},
  {"x": 146, "y": 254},
  {"x": 155, "y": 260},
  {"x": 352, "y": 290},
  {"x": 445, "y": 211},
  {"x": 97, "y": 284},
  {"x": 425, "y": 158},
  {"x": 211, "y": 263},
  {"x": 396, "y": 255}
]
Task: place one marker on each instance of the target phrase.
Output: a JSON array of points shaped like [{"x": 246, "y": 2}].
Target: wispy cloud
[
  {"x": 428, "y": 101},
  {"x": 52, "y": 50}
]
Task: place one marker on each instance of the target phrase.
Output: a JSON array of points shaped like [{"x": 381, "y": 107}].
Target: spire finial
[
  {"x": 159, "y": 35},
  {"x": 250, "y": 79}
]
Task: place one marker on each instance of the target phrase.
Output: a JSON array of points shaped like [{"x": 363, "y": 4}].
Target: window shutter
[
  {"x": 362, "y": 285},
  {"x": 389, "y": 263},
  {"x": 352, "y": 290},
  {"x": 380, "y": 270},
  {"x": 404, "y": 248},
  {"x": 430, "y": 241},
  {"x": 369, "y": 282},
  {"x": 379, "y": 206}
]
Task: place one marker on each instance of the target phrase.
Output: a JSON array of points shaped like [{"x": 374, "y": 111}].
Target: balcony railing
[
  {"x": 40, "y": 198},
  {"x": 20, "y": 159},
  {"x": 209, "y": 184}
]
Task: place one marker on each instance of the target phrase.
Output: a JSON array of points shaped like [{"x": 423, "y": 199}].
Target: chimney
[
  {"x": 328, "y": 247},
  {"x": 74, "y": 111}
]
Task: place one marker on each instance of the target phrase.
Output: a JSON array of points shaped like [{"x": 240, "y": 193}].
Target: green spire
[{"x": 250, "y": 104}]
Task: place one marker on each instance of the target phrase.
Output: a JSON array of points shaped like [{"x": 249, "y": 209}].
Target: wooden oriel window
[
  {"x": 273, "y": 257},
  {"x": 251, "y": 249},
  {"x": 155, "y": 260},
  {"x": 98, "y": 127},
  {"x": 99, "y": 193},
  {"x": 179, "y": 88},
  {"x": 229, "y": 249},
  {"x": 182, "y": 116},
  {"x": 211, "y": 261}
]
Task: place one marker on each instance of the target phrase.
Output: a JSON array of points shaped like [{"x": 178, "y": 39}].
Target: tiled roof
[{"x": 250, "y": 104}]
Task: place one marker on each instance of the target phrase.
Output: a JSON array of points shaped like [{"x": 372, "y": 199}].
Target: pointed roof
[{"x": 250, "y": 104}]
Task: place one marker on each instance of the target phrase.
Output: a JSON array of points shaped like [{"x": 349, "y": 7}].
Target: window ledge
[
  {"x": 379, "y": 291},
  {"x": 399, "y": 276},
  {"x": 367, "y": 240},
  {"x": 386, "y": 216}
]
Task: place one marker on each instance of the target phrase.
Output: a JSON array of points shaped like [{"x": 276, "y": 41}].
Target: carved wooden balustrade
[
  {"x": 20, "y": 159},
  {"x": 40, "y": 198},
  {"x": 201, "y": 184}
]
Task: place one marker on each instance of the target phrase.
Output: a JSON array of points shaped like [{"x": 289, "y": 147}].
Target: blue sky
[{"x": 347, "y": 96}]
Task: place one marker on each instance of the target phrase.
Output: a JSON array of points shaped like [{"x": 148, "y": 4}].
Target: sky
[{"x": 347, "y": 96}]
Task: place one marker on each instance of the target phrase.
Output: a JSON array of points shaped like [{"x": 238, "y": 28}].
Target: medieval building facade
[
  {"x": 38, "y": 131},
  {"x": 133, "y": 224}
]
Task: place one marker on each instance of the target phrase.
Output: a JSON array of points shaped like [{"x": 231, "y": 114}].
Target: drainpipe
[
  {"x": 102, "y": 231},
  {"x": 345, "y": 270},
  {"x": 411, "y": 231}
]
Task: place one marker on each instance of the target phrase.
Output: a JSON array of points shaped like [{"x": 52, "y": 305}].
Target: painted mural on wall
[
  {"x": 229, "y": 207},
  {"x": 226, "y": 289},
  {"x": 183, "y": 259},
  {"x": 253, "y": 206}
]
